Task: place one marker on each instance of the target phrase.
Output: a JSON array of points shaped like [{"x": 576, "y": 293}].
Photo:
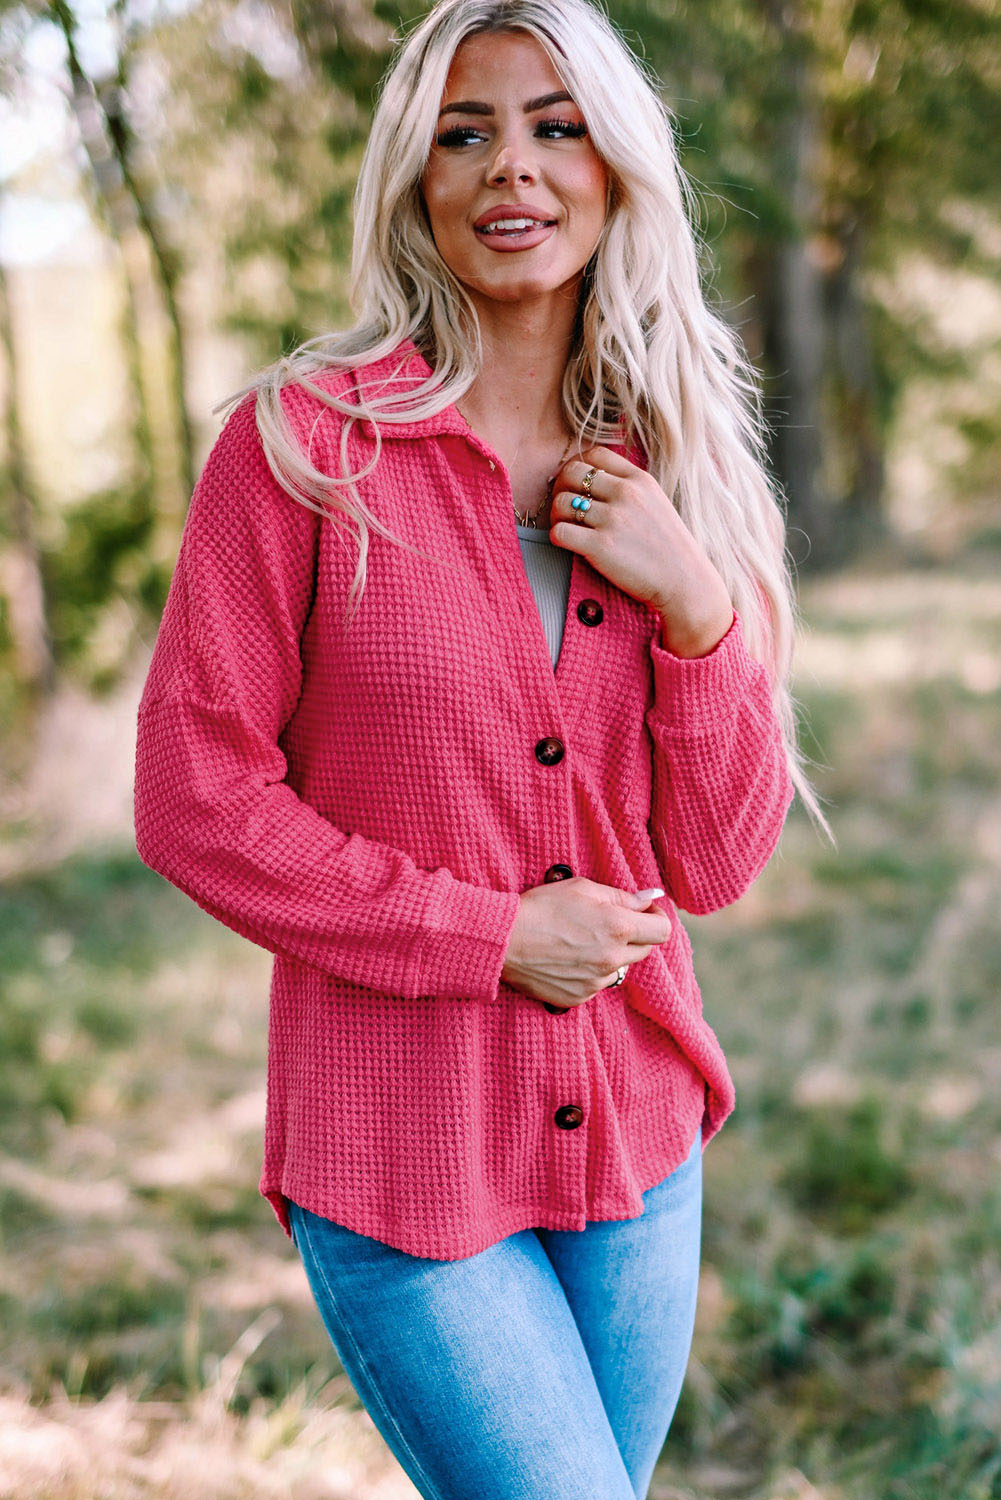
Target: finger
[
  {"x": 575, "y": 536},
  {"x": 651, "y": 928},
  {"x": 613, "y": 463},
  {"x": 572, "y": 475},
  {"x": 638, "y": 952},
  {"x": 563, "y": 508}
]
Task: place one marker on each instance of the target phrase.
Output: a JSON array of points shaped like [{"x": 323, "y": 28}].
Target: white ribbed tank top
[{"x": 548, "y": 568}]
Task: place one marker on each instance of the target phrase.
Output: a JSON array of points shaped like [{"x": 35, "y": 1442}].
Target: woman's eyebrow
[{"x": 475, "y": 107}]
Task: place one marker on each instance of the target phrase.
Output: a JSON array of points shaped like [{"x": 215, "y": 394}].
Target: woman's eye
[
  {"x": 553, "y": 130},
  {"x": 557, "y": 128},
  {"x": 459, "y": 135}
]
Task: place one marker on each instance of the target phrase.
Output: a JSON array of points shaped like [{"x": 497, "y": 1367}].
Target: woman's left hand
[{"x": 632, "y": 534}]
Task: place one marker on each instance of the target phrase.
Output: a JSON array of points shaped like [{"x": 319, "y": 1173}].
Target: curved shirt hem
[{"x": 502, "y": 1226}]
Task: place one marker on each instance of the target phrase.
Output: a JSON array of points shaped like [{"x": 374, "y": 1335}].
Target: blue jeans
[{"x": 546, "y": 1366}]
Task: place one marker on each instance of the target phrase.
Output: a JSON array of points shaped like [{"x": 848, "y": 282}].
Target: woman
[{"x": 458, "y": 769}]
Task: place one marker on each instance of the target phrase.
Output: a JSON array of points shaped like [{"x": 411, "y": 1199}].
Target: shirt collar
[{"x": 405, "y": 367}]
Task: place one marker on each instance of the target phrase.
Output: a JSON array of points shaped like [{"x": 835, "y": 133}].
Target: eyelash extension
[
  {"x": 459, "y": 134},
  {"x": 575, "y": 128}
]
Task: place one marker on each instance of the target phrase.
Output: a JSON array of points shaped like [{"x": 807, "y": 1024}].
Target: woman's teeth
[{"x": 513, "y": 226}]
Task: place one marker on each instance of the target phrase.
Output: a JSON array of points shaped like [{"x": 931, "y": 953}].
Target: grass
[
  {"x": 848, "y": 1343},
  {"x": 852, "y": 1215}
]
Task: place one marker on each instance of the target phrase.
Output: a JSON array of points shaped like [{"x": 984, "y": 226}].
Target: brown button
[
  {"x": 557, "y": 872},
  {"x": 557, "y": 1010},
  {"x": 590, "y": 612},
  {"x": 549, "y": 751},
  {"x": 569, "y": 1116}
]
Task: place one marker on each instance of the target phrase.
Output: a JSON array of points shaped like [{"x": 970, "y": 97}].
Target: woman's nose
[{"x": 510, "y": 164}]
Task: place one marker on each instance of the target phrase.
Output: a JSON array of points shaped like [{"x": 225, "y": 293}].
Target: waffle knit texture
[{"x": 367, "y": 803}]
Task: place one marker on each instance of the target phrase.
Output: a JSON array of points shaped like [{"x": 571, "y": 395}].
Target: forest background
[{"x": 175, "y": 194}]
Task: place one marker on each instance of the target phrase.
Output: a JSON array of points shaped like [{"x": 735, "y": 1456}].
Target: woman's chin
[{"x": 523, "y": 289}]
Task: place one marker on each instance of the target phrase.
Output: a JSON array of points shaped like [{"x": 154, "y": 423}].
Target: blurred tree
[
  {"x": 21, "y": 579},
  {"x": 125, "y": 203},
  {"x": 844, "y": 134},
  {"x": 25, "y": 635},
  {"x": 830, "y": 141}
]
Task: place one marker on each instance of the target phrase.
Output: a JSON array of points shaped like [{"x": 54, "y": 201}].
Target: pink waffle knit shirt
[{"x": 368, "y": 801}]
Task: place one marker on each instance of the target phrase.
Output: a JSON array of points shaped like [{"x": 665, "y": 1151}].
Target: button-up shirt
[{"x": 367, "y": 799}]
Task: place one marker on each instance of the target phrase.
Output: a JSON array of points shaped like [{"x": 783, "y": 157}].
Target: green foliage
[
  {"x": 842, "y": 1172},
  {"x": 103, "y": 554},
  {"x": 106, "y": 1307},
  {"x": 839, "y": 142},
  {"x": 786, "y": 1323},
  {"x": 229, "y": 1206},
  {"x": 58, "y": 1023},
  {"x": 903, "y": 104},
  {"x": 101, "y": 908}
]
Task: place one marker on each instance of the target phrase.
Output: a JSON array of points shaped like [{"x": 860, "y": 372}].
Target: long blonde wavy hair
[{"x": 650, "y": 359}]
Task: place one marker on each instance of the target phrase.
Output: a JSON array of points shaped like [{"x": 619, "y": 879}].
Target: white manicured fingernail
[{"x": 652, "y": 894}]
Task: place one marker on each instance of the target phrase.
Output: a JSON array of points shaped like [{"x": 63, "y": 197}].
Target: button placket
[
  {"x": 557, "y": 872},
  {"x": 549, "y": 750},
  {"x": 569, "y": 689},
  {"x": 568, "y": 1107}
]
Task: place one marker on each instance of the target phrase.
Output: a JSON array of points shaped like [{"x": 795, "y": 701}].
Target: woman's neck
[{"x": 519, "y": 391}]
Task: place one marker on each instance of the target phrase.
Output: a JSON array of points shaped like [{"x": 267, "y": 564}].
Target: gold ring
[{"x": 587, "y": 481}]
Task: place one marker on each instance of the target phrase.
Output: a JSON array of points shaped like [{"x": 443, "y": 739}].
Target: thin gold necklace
[{"x": 532, "y": 518}]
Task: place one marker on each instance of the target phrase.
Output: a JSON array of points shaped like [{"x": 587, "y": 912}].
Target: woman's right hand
[{"x": 571, "y": 936}]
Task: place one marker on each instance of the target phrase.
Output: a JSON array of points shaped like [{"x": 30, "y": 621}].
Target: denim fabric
[{"x": 546, "y": 1367}]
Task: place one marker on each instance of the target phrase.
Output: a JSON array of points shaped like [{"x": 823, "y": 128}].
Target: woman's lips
[{"x": 516, "y": 239}]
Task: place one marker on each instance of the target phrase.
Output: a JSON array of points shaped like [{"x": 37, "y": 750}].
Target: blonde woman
[{"x": 472, "y": 673}]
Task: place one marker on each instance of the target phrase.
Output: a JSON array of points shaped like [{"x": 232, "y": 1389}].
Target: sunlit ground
[{"x": 159, "y": 1338}]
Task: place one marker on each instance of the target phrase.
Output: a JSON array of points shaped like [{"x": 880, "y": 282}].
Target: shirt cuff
[
  {"x": 464, "y": 943},
  {"x": 696, "y": 692}
]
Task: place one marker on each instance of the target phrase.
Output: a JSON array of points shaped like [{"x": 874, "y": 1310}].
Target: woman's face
[{"x": 515, "y": 191}]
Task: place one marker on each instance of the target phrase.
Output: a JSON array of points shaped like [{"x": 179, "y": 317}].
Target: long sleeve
[
  {"x": 214, "y": 812},
  {"x": 721, "y": 786}
]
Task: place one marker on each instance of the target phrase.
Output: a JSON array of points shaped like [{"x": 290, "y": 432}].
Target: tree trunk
[
  {"x": 164, "y": 259},
  {"x": 22, "y": 578},
  {"x": 855, "y": 392},
  {"x": 132, "y": 228},
  {"x": 791, "y": 289}
]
